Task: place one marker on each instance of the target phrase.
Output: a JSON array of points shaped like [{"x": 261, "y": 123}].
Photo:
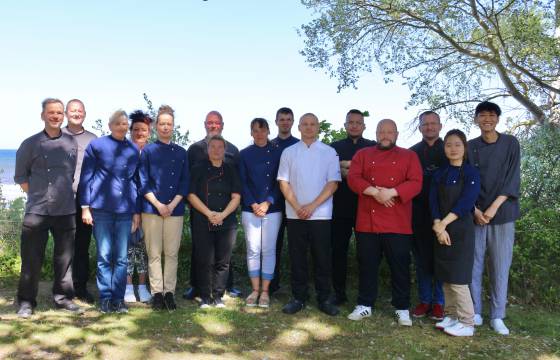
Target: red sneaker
[
  {"x": 437, "y": 312},
  {"x": 421, "y": 310}
]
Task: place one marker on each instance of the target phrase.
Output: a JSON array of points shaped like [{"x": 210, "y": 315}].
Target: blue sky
[{"x": 238, "y": 57}]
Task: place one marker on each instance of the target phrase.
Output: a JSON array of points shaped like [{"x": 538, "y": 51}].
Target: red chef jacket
[{"x": 395, "y": 168}]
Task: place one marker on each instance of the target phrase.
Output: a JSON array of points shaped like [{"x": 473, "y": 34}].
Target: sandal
[
  {"x": 251, "y": 300},
  {"x": 264, "y": 300}
]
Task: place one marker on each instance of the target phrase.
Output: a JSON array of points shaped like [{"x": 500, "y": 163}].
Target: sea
[{"x": 10, "y": 191}]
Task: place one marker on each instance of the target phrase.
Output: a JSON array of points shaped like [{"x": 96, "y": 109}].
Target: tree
[{"x": 451, "y": 53}]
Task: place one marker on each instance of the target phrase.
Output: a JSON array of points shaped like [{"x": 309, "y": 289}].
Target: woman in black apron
[{"x": 453, "y": 193}]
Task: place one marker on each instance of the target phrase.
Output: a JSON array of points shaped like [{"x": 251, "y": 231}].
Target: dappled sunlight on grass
[
  {"x": 317, "y": 329},
  {"x": 213, "y": 324},
  {"x": 548, "y": 357},
  {"x": 292, "y": 338}
]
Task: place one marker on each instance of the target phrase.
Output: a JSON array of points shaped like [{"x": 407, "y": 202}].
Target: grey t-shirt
[
  {"x": 48, "y": 165},
  {"x": 83, "y": 139},
  {"x": 500, "y": 174}
]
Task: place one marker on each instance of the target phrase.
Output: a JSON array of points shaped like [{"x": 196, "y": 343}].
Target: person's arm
[
  {"x": 23, "y": 166},
  {"x": 161, "y": 208},
  {"x": 89, "y": 164},
  {"x": 306, "y": 211},
  {"x": 230, "y": 208},
  {"x": 199, "y": 205},
  {"x": 247, "y": 194},
  {"x": 356, "y": 177},
  {"x": 289, "y": 194},
  {"x": 412, "y": 185}
]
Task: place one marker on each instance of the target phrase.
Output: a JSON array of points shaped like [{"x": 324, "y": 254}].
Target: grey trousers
[{"x": 497, "y": 241}]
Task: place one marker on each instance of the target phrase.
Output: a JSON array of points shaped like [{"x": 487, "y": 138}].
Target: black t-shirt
[{"x": 214, "y": 186}]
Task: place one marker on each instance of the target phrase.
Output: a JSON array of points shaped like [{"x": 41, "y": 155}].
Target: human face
[
  {"x": 119, "y": 128},
  {"x": 140, "y": 133},
  {"x": 487, "y": 121},
  {"x": 53, "y": 116},
  {"x": 260, "y": 135},
  {"x": 213, "y": 125},
  {"x": 75, "y": 113},
  {"x": 309, "y": 128},
  {"x": 164, "y": 127},
  {"x": 284, "y": 123},
  {"x": 430, "y": 126},
  {"x": 386, "y": 134},
  {"x": 454, "y": 149},
  {"x": 354, "y": 125},
  {"x": 216, "y": 150}
]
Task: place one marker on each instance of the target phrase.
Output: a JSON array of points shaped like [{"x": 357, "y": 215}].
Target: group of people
[{"x": 447, "y": 201}]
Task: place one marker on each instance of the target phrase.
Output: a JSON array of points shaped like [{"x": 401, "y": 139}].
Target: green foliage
[
  {"x": 329, "y": 135},
  {"x": 451, "y": 54}
]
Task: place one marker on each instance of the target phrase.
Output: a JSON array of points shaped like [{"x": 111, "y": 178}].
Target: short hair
[
  {"x": 117, "y": 115},
  {"x": 309, "y": 115},
  {"x": 262, "y": 123},
  {"x": 355, "y": 112},
  {"x": 461, "y": 135},
  {"x": 138, "y": 116},
  {"x": 165, "y": 110},
  {"x": 487, "y": 106},
  {"x": 284, "y": 110},
  {"x": 426, "y": 113},
  {"x": 75, "y": 101},
  {"x": 48, "y": 101},
  {"x": 217, "y": 138},
  {"x": 214, "y": 112}
]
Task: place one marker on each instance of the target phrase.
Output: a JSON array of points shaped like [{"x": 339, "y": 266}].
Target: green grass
[{"x": 242, "y": 333}]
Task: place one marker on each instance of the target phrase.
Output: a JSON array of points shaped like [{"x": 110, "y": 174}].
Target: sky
[{"x": 238, "y": 57}]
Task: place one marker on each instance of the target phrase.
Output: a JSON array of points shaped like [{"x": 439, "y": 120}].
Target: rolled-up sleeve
[
  {"x": 334, "y": 167},
  {"x": 512, "y": 176},
  {"x": 284, "y": 167}
]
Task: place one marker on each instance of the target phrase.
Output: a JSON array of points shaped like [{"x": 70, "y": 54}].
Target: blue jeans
[
  {"x": 112, "y": 233},
  {"x": 430, "y": 290}
]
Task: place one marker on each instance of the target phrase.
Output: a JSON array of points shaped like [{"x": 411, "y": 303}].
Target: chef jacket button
[
  {"x": 454, "y": 181},
  {"x": 172, "y": 173},
  {"x": 373, "y": 162},
  {"x": 171, "y": 187},
  {"x": 472, "y": 182},
  {"x": 394, "y": 162},
  {"x": 372, "y": 211},
  {"x": 48, "y": 169},
  {"x": 392, "y": 179},
  {"x": 372, "y": 179}
]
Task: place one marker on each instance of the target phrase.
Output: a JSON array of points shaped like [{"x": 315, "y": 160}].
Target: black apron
[{"x": 453, "y": 264}]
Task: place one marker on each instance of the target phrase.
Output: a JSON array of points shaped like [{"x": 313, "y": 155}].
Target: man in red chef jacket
[{"x": 386, "y": 178}]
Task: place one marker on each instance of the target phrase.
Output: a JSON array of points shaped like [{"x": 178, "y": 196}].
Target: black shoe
[
  {"x": 121, "y": 308},
  {"x": 25, "y": 310},
  {"x": 105, "y": 306},
  {"x": 85, "y": 296},
  {"x": 328, "y": 308},
  {"x": 158, "y": 302},
  {"x": 293, "y": 307},
  {"x": 234, "y": 292},
  {"x": 340, "y": 299},
  {"x": 169, "y": 301},
  {"x": 190, "y": 293},
  {"x": 70, "y": 306}
]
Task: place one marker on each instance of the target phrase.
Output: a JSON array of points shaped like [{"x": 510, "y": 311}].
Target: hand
[
  {"x": 263, "y": 208},
  {"x": 305, "y": 211},
  {"x": 171, "y": 207},
  {"x": 383, "y": 195},
  {"x": 479, "y": 217},
  {"x": 439, "y": 227},
  {"x": 87, "y": 218},
  {"x": 444, "y": 239},
  {"x": 216, "y": 218},
  {"x": 163, "y": 209},
  {"x": 490, "y": 213},
  {"x": 135, "y": 222}
]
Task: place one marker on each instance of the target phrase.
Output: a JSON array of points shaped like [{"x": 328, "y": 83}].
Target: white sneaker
[
  {"x": 477, "y": 320},
  {"x": 403, "y": 317},
  {"x": 459, "y": 329},
  {"x": 447, "y": 322},
  {"x": 129, "y": 296},
  {"x": 144, "y": 294},
  {"x": 499, "y": 326},
  {"x": 360, "y": 312}
]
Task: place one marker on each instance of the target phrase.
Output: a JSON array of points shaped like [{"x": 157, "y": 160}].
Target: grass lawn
[{"x": 241, "y": 333}]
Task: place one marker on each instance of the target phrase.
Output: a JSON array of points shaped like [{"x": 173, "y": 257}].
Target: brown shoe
[
  {"x": 264, "y": 300},
  {"x": 251, "y": 300}
]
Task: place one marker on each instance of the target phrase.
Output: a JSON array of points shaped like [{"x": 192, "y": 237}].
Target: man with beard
[{"x": 386, "y": 178}]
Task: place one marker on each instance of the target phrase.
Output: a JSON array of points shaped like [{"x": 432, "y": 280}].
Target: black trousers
[
  {"x": 302, "y": 236},
  {"x": 212, "y": 254},
  {"x": 275, "y": 283},
  {"x": 80, "y": 264},
  {"x": 396, "y": 247},
  {"x": 341, "y": 234},
  {"x": 193, "y": 277},
  {"x": 34, "y": 237}
]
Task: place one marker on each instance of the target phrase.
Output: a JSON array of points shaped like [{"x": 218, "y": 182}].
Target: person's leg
[
  {"x": 369, "y": 252},
  {"x": 464, "y": 304},
  {"x": 478, "y": 266},
  {"x": 172, "y": 232},
  {"x": 63, "y": 229},
  {"x": 253, "y": 228},
  {"x": 321, "y": 252},
  {"x": 341, "y": 234},
  {"x": 450, "y": 301},
  {"x": 122, "y": 227},
  {"x": 203, "y": 245},
  {"x": 397, "y": 250},
  {"x": 423, "y": 278},
  {"x": 103, "y": 227},
  {"x": 152, "y": 225},
  {"x": 222, "y": 256},
  {"x": 500, "y": 252},
  {"x": 271, "y": 224},
  {"x": 80, "y": 262},
  {"x": 275, "y": 283},
  {"x": 298, "y": 243},
  {"x": 34, "y": 236}
]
